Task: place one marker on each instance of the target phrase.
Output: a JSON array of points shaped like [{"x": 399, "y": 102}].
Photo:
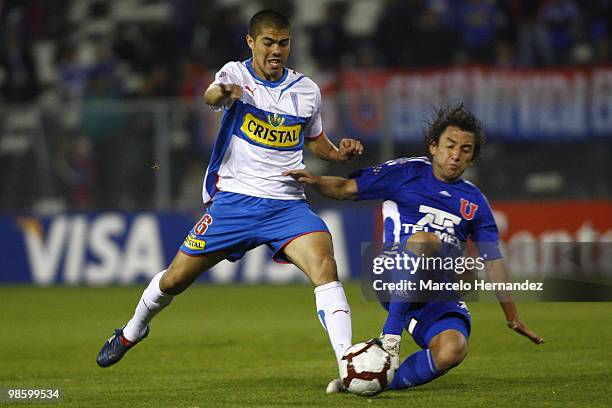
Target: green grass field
[{"x": 258, "y": 346}]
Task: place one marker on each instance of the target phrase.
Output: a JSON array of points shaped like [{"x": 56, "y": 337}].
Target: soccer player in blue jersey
[
  {"x": 430, "y": 208},
  {"x": 271, "y": 113}
]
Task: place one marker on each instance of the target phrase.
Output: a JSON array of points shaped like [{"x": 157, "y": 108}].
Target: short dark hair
[
  {"x": 454, "y": 115},
  {"x": 268, "y": 18}
]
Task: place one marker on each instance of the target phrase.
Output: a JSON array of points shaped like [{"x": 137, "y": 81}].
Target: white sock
[
  {"x": 335, "y": 315},
  {"x": 152, "y": 301}
]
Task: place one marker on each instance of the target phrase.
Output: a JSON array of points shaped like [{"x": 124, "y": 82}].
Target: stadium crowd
[
  {"x": 152, "y": 48},
  {"x": 60, "y": 58}
]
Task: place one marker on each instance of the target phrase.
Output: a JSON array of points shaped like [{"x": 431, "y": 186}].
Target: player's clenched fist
[
  {"x": 231, "y": 91},
  {"x": 348, "y": 149},
  {"x": 218, "y": 95}
]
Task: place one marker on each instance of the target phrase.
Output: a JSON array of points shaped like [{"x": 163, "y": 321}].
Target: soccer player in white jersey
[
  {"x": 432, "y": 211},
  {"x": 271, "y": 113}
]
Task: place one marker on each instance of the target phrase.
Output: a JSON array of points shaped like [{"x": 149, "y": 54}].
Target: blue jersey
[{"x": 415, "y": 200}]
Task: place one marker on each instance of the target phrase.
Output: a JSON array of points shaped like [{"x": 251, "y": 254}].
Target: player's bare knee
[
  {"x": 171, "y": 282},
  {"x": 449, "y": 354},
  {"x": 323, "y": 269},
  {"x": 423, "y": 243}
]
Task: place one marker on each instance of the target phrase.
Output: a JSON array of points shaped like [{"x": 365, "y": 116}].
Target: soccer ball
[{"x": 365, "y": 369}]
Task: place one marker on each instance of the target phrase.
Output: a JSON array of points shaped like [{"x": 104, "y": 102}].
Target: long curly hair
[{"x": 454, "y": 115}]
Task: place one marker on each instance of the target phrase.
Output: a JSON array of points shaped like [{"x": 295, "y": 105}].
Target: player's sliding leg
[
  {"x": 391, "y": 335},
  {"x": 181, "y": 273},
  {"x": 313, "y": 254},
  {"x": 420, "y": 244},
  {"x": 446, "y": 350},
  {"x": 399, "y": 306}
]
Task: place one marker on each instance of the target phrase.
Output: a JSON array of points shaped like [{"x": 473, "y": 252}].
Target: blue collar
[
  {"x": 269, "y": 84},
  {"x": 432, "y": 176}
]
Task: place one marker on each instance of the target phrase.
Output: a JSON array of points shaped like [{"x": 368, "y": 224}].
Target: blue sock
[
  {"x": 417, "y": 369},
  {"x": 396, "y": 319},
  {"x": 400, "y": 300}
]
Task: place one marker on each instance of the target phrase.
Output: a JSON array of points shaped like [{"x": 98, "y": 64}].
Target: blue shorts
[
  {"x": 424, "y": 320},
  {"x": 238, "y": 223},
  {"x": 447, "y": 322}
]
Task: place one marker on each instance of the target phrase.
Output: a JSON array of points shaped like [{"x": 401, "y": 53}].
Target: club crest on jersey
[
  {"x": 276, "y": 120},
  {"x": 467, "y": 209},
  {"x": 272, "y": 132}
]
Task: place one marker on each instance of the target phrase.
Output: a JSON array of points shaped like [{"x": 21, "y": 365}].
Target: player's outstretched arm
[
  {"x": 337, "y": 188},
  {"x": 218, "y": 95},
  {"x": 324, "y": 149},
  {"x": 497, "y": 272}
]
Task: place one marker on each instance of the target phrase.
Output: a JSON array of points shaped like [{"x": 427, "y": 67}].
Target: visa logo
[{"x": 104, "y": 249}]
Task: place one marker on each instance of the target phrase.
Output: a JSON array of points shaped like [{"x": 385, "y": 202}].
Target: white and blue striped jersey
[
  {"x": 263, "y": 133},
  {"x": 416, "y": 200}
]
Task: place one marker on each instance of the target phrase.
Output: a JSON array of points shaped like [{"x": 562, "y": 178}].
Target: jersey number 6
[{"x": 203, "y": 224}]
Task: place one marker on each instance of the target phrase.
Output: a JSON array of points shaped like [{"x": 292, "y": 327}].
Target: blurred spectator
[
  {"x": 505, "y": 55},
  {"x": 329, "y": 38},
  {"x": 364, "y": 55},
  {"x": 598, "y": 29},
  {"x": 533, "y": 47},
  {"x": 158, "y": 83},
  {"x": 51, "y": 20},
  {"x": 131, "y": 46},
  {"x": 194, "y": 79},
  {"x": 19, "y": 81},
  {"x": 73, "y": 76},
  {"x": 105, "y": 126},
  {"x": 184, "y": 21},
  {"x": 150, "y": 53},
  {"x": 75, "y": 164},
  {"x": 104, "y": 77},
  {"x": 560, "y": 19},
  {"x": 226, "y": 40},
  {"x": 395, "y": 31},
  {"x": 479, "y": 24},
  {"x": 162, "y": 49},
  {"x": 99, "y": 9},
  {"x": 434, "y": 42},
  {"x": 284, "y": 7}
]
